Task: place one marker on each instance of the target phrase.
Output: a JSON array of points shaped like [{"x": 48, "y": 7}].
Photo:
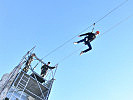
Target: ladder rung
[
  {"x": 22, "y": 84},
  {"x": 20, "y": 88},
  {"x": 26, "y": 77},
  {"x": 24, "y": 80}
]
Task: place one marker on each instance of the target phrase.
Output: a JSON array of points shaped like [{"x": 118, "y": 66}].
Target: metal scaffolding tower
[{"x": 21, "y": 85}]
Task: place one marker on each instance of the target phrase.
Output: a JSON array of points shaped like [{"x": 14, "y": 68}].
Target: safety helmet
[{"x": 97, "y": 32}]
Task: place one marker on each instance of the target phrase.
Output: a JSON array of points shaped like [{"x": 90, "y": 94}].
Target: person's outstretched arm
[
  {"x": 51, "y": 67},
  {"x": 84, "y": 34}
]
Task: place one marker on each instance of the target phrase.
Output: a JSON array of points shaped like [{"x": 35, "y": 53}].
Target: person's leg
[
  {"x": 81, "y": 41},
  {"x": 90, "y": 47},
  {"x": 43, "y": 73}
]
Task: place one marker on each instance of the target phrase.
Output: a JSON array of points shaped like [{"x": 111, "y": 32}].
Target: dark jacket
[
  {"x": 46, "y": 67},
  {"x": 90, "y": 36}
]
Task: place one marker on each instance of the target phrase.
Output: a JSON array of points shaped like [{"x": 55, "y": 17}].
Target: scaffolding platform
[
  {"x": 20, "y": 85},
  {"x": 34, "y": 88}
]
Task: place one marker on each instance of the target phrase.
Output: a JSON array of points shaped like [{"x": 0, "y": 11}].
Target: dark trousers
[
  {"x": 86, "y": 43},
  {"x": 43, "y": 73}
]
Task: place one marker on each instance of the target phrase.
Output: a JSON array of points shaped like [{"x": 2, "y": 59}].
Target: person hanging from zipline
[
  {"x": 90, "y": 36},
  {"x": 45, "y": 68}
]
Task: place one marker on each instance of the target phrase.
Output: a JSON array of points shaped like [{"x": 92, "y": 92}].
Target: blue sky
[{"x": 104, "y": 73}]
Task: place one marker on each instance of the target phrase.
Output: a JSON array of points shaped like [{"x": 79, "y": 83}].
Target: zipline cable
[
  {"x": 69, "y": 55},
  {"x": 117, "y": 24},
  {"x": 85, "y": 29},
  {"x": 66, "y": 57},
  {"x": 111, "y": 11},
  {"x": 98, "y": 37}
]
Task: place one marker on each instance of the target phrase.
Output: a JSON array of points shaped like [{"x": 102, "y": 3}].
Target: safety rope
[{"x": 85, "y": 29}]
